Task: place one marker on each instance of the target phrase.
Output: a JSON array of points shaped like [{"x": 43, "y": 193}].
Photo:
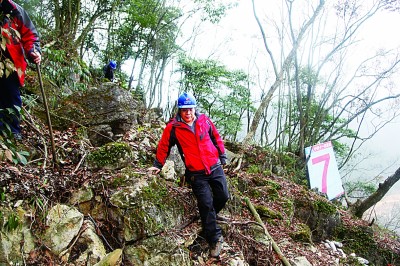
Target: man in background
[
  {"x": 22, "y": 40},
  {"x": 109, "y": 70}
]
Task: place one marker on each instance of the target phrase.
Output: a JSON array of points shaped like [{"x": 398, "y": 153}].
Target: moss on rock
[
  {"x": 268, "y": 213},
  {"x": 302, "y": 233},
  {"x": 319, "y": 214},
  {"x": 325, "y": 207},
  {"x": 113, "y": 155},
  {"x": 360, "y": 240}
]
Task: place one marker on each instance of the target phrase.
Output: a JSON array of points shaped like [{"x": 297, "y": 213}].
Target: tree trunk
[
  {"x": 279, "y": 74},
  {"x": 360, "y": 207}
]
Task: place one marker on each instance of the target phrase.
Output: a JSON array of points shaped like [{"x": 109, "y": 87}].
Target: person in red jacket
[
  {"x": 203, "y": 153},
  {"x": 22, "y": 40}
]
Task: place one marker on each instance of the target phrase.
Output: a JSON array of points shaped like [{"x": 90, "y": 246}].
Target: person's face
[{"x": 187, "y": 114}]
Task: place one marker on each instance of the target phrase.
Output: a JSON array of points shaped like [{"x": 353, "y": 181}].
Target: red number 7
[{"x": 323, "y": 158}]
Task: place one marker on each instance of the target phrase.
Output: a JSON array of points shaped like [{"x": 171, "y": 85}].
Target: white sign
[{"x": 323, "y": 172}]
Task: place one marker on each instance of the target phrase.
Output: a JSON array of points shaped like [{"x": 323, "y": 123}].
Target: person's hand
[
  {"x": 36, "y": 57},
  {"x": 154, "y": 170}
]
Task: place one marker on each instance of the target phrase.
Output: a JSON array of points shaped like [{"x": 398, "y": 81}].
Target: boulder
[
  {"x": 63, "y": 224},
  {"x": 16, "y": 239},
  {"x": 107, "y": 112}
]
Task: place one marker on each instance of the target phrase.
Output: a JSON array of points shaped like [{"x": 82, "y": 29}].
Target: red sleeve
[
  {"x": 164, "y": 147},
  {"x": 29, "y": 35}
]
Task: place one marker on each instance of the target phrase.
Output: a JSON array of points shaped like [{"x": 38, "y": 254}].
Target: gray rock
[
  {"x": 63, "y": 224},
  {"x": 300, "y": 261}
]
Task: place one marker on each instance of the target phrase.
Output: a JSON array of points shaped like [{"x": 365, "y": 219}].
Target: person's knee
[
  {"x": 220, "y": 202},
  {"x": 222, "y": 198},
  {"x": 204, "y": 202}
]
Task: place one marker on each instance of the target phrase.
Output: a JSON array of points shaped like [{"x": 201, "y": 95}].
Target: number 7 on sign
[{"x": 323, "y": 158}]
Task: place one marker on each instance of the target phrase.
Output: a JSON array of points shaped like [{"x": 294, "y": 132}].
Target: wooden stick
[
  {"x": 274, "y": 245},
  {"x": 46, "y": 108}
]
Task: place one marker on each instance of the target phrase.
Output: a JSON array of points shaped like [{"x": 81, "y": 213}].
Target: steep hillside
[{"x": 303, "y": 225}]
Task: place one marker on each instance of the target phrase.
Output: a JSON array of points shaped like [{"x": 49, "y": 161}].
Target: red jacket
[
  {"x": 200, "y": 151},
  {"x": 17, "y": 19}
]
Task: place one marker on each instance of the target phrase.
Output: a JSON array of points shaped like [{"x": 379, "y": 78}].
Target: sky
[
  {"x": 238, "y": 37},
  {"x": 384, "y": 146}
]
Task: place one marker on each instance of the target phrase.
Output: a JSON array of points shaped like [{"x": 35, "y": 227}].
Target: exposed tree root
[{"x": 274, "y": 245}]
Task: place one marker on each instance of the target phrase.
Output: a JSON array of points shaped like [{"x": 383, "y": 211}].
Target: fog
[
  {"x": 238, "y": 38},
  {"x": 385, "y": 155}
]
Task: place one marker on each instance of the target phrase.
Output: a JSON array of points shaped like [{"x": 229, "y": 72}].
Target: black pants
[
  {"x": 109, "y": 73},
  {"x": 10, "y": 96},
  {"x": 211, "y": 192}
]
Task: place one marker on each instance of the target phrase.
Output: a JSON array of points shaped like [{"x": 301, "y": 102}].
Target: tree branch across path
[{"x": 362, "y": 206}]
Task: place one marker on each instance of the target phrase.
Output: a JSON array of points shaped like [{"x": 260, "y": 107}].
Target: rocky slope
[{"x": 119, "y": 214}]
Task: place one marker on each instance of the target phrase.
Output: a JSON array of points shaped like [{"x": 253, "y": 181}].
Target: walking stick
[{"x": 46, "y": 108}]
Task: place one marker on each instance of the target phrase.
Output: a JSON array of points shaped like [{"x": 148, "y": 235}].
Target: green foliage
[
  {"x": 264, "y": 189},
  {"x": 261, "y": 181},
  {"x": 82, "y": 133},
  {"x": 254, "y": 169},
  {"x": 39, "y": 205},
  {"x": 240, "y": 184},
  {"x": 359, "y": 189},
  {"x": 320, "y": 124},
  {"x": 9, "y": 149},
  {"x": 341, "y": 149},
  {"x": 3, "y": 194},
  {"x": 12, "y": 152},
  {"x": 223, "y": 94},
  {"x": 268, "y": 213},
  {"x": 311, "y": 115},
  {"x": 135, "y": 34},
  {"x": 214, "y": 11},
  {"x": 288, "y": 208},
  {"x": 155, "y": 194},
  {"x": 360, "y": 240},
  {"x": 273, "y": 185},
  {"x": 356, "y": 238},
  {"x": 351, "y": 260},
  {"x": 12, "y": 223},
  {"x": 110, "y": 154},
  {"x": 302, "y": 233},
  {"x": 272, "y": 193},
  {"x": 290, "y": 162},
  {"x": 64, "y": 70},
  {"x": 255, "y": 192},
  {"x": 324, "y": 207},
  {"x": 43, "y": 20},
  {"x": 6, "y": 65}
]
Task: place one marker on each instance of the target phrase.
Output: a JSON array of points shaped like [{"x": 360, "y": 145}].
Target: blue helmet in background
[
  {"x": 186, "y": 100},
  {"x": 112, "y": 64}
]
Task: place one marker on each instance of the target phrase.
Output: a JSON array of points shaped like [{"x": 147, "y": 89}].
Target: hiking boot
[{"x": 215, "y": 248}]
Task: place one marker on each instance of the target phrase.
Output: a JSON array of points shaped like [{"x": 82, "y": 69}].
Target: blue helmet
[
  {"x": 113, "y": 64},
  {"x": 186, "y": 100}
]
